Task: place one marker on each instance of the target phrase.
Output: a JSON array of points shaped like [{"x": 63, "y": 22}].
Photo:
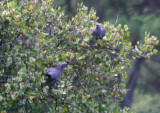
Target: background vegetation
[
  {"x": 36, "y": 35},
  {"x": 141, "y": 16}
]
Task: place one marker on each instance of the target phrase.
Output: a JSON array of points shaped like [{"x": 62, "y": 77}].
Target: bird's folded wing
[
  {"x": 50, "y": 73},
  {"x": 94, "y": 32},
  {"x": 54, "y": 73}
]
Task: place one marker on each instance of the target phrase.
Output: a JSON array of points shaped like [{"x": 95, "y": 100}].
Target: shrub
[{"x": 36, "y": 35}]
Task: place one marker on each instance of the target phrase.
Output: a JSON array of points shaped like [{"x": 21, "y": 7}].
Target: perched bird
[
  {"x": 98, "y": 32},
  {"x": 54, "y": 73}
]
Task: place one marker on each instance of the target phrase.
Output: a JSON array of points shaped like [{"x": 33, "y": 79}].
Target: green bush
[{"x": 34, "y": 36}]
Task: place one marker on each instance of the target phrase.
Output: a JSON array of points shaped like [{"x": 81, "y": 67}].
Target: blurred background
[{"x": 140, "y": 16}]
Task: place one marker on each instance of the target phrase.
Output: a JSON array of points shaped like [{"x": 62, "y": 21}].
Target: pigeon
[
  {"x": 98, "y": 32},
  {"x": 54, "y": 73}
]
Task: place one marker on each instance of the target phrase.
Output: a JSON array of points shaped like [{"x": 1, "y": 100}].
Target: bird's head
[
  {"x": 64, "y": 64},
  {"x": 98, "y": 26}
]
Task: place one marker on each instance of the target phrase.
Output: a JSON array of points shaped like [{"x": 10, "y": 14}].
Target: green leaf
[
  {"x": 155, "y": 51},
  {"x": 125, "y": 27},
  {"x": 123, "y": 85},
  {"x": 125, "y": 75},
  {"x": 122, "y": 51},
  {"x": 42, "y": 67},
  {"x": 86, "y": 39},
  {"x": 116, "y": 85},
  {"x": 69, "y": 36},
  {"x": 79, "y": 36},
  {"x": 13, "y": 38}
]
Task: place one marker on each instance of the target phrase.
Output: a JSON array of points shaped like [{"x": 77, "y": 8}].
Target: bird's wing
[
  {"x": 53, "y": 73},
  {"x": 94, "y": 33}
]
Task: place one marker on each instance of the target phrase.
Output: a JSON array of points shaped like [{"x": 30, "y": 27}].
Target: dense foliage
[
  {"x": 36, "y": 35},
  {"x": 140, "y": 16}
]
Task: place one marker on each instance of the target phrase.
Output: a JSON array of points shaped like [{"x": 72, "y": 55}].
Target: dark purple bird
[
  {"x": 98, "y": 32},
  {"x": 54, "y": 73}
]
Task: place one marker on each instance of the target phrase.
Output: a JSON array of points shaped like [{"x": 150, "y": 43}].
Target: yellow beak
[{"x": 95, "y": 26}]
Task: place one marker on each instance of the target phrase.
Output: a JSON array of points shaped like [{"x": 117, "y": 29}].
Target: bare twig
[{"x": 116, "y": 20}]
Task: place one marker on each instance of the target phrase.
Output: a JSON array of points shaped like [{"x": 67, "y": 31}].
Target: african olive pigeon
[
  {"x": 54, "y": 73},
  {"x": 98, "y": 32}
]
